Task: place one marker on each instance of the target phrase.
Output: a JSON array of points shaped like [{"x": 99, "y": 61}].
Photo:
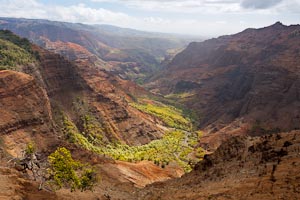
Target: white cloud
[
  {"x": 74, "y": 13},
  {"x": 202, "y": 17},
  {"x": 82, "y": 13},
  {"x": 292, "y": 6},
  {"x": 207, "y": 6}
]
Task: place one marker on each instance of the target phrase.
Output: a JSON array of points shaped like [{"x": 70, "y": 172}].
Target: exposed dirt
[
  {"x": 25, "y": 113},
  {"x": 242, "y": 168},
  {"x": 16, "y": 186},
  {"x": 142, "y": 173}
]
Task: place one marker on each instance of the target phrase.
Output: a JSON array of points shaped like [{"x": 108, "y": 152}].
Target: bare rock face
[
  {"x": 25, "y": 112},
  {"x": 264, "y": 167},
  {"x": 237, "y": 80}
]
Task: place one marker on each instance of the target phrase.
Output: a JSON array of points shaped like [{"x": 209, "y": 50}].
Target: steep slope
[
  {"x": 249, "y": 80},
  {"x": 25, "y": 113},
  {"x": 130, "y": 53},
  {"x": 60, "y": 103},
  {"x": 242, "y": 168},
  {"x": 83, "y": 90}
]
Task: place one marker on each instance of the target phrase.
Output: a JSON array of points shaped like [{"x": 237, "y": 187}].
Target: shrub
[
  {"x": 92, "y": 130},
  {"x": 67, "y": 172},
  {"x": 30, "y": 148}
]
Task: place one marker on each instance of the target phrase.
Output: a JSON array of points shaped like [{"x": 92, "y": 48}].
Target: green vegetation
[
  {"x": 92, "y": 129},
  {"x": 170, "y": 115},
  {"x": 12, "y": 55},
  {"x": 174, "y": 146},
  {"x": 14, "y": 51},
  {"x": 177, "y": 146},
  {"x": 30, "y": 148},
  {"x": 67, "y": 172},
  {"x": 18, "y": 41},
  {"x": 179, "y": 96},
  {"x": 74, "y": 136}
]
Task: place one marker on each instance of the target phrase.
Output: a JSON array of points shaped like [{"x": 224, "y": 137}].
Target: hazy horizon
[{"x": 208, "y": 18}]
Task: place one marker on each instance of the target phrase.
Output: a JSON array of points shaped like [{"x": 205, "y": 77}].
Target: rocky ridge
[{"x": 235, "y": 82}]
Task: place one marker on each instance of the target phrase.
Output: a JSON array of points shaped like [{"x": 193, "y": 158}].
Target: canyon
[{"x": 227, "y": 106}]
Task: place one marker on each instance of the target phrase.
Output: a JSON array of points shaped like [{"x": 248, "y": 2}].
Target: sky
[{"x": 189, "y": 17}]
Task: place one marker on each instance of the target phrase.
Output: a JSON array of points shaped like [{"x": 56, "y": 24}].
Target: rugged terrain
[
  {"x": 247, "y": 81},
  {"x": 26, "y": 117},
  {"x": 129, "y": 53},
  {"x": 82, "y": 89},
  {"x": 25, "y": 112},
  {"x": 244, "y": 85},
  {"x": 51, "y": 102},
  {"x": 264, "y": 167}
]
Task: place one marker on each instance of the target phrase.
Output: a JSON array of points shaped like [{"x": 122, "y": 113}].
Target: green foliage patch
[
  {"x": 178, "y": 146},
  {"x": 67, "y": 172},
  {"x": 30, "y": 148},
  {"x": 18, "y": 41},
  {"x": 175, "y": 146},
  {"x": 15, "y": 51},
  {"x": 171, "y": 116},
  {"x": 92, "y": 130},
  {"x": 12, "y": 55},
  {"x": 74, "y": 136},
  {"x": 172, "y": 147}
]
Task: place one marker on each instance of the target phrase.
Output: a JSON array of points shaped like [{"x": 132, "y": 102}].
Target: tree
[{"x": 67, "y": 172}]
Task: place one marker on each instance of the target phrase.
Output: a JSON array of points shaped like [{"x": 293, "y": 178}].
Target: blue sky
[{"x": 193, "y": 17}]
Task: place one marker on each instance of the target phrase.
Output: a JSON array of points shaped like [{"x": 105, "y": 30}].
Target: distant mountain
[
  {"x": 238, "y": 84},
  {"x": 130, "y": 53}
]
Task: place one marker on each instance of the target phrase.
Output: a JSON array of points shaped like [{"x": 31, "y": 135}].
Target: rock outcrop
[{"x": 264, "y": 167}]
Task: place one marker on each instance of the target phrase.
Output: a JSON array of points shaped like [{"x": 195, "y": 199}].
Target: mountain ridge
[
  {"x": 237, "y": 80},
  {"x": 130, "y": 53}
]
